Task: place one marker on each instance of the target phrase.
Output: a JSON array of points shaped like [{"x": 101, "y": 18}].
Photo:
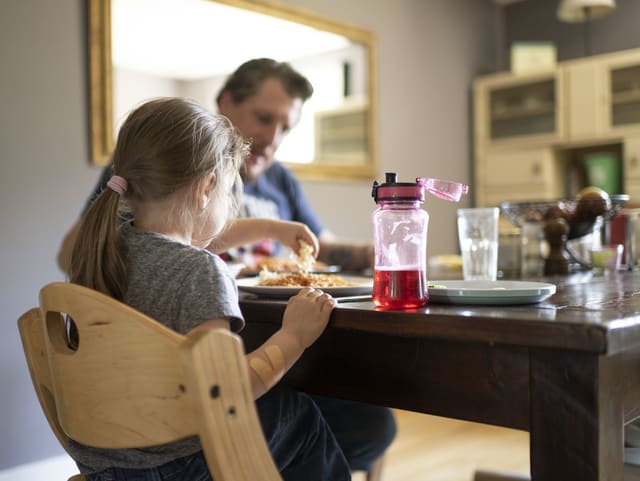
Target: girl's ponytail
[{"x": 98, "y": 259}]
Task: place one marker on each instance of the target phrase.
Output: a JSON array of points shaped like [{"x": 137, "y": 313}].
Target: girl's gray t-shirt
[{"x": 180, "y": 286}]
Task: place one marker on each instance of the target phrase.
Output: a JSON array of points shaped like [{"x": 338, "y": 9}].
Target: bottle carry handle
[{"x": 444, "y": 189}]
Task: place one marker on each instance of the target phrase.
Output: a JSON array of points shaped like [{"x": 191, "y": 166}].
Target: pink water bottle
[{"x": 400, "y": 239}]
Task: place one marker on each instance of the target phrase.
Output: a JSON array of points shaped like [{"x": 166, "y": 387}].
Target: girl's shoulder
[{"x": 145, "y": 247}]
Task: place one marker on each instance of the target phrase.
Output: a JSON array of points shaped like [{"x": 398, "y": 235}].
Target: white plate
[
  {"x": 362, "y": 285},
  {"x": 235, "y": 267},
  {"x": 489, "y": 292},
  {"x": 318, "y": 270}
]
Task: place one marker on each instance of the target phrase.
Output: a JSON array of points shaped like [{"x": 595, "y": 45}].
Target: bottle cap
[{"x": 392, "y": 190}]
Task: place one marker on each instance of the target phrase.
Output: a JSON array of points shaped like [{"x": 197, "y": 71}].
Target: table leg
[{"x": 576, "y": 417}]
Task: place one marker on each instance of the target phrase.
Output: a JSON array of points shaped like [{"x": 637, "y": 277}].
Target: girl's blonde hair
[{"x": 165, "y": 146}]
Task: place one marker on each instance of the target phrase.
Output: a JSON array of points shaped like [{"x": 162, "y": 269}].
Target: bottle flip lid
[
  {"x": 392, "y": 190},
  {"x": 445, "y": 189}
]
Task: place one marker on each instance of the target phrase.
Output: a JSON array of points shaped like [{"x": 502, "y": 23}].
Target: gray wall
[
  {"x": 535, "y": 20},
  {"x": 44, "y": 179},
  {"x": 429, "y": 50}
]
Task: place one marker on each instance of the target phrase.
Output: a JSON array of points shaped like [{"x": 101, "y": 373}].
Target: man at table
[{"x": 263, "y": 99}]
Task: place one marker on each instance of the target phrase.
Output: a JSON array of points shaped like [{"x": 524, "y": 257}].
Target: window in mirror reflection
[{"x": 188, "y": 47}]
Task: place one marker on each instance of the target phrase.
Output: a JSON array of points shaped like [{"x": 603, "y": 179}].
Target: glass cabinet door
[
  {"x": 625, "y": 96},
  {"x": 526, "y": 109},
  {"x": 519, "y": 109},
  {"x": 622, "y": 92}
]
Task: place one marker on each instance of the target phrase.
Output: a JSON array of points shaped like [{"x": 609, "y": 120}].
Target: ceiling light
[
  {"x": 576, "y": 11},
  {"x": 584, "y": 11}
]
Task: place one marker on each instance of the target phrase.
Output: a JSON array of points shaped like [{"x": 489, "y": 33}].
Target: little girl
[{"x": 175, "y": 168}]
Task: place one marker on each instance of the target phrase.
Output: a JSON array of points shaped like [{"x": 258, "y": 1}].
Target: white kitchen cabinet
[
  {"x": 519, "y": 175},
  {"x": 622, "y": 80},
  {"x": 586, "y": 100},
  {"x": 512, "y": 110},
  {"x": 602, "y": 96},
  {"x": 530, "y": 129}
]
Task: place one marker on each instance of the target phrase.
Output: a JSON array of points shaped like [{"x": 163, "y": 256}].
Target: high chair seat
[{"x": 133, "y": 382}]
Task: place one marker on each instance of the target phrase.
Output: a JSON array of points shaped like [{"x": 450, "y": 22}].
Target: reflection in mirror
[{"x": 142, "y": 49}]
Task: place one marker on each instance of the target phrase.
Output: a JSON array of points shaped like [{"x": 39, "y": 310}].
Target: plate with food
[
  {"x": 236, "y": 268},
  {"x": 500, "y": 292},
  {"x": 281, "y": 264},
  {"x": 282, "y": 285}
]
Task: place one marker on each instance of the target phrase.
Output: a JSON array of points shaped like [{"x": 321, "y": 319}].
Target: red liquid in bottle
[{"x": 400, "y": 289}]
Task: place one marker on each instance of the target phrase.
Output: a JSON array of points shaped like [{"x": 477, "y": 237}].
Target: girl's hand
[
  {"x": 292, "y": 234},
  {"x": 307, "y": 314}
]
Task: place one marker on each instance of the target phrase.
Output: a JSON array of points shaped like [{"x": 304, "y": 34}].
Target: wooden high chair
[{"x": 133, "y": 382}]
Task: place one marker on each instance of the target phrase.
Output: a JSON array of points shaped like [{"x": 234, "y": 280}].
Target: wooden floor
[{"x": 430, "y": 448}]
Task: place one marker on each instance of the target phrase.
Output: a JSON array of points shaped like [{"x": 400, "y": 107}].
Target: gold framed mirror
[{"x": 335, "y": 137}]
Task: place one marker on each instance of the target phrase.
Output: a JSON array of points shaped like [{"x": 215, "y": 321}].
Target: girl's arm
[
  {"x": 238, "y": 232},
  {"x": 248, "y": 230},
  {"x": 269, "y": 362},
  {"x": 305, "y": 317}
]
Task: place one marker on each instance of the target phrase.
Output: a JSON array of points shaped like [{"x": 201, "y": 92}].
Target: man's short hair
[{"x": 248, "y": 77}]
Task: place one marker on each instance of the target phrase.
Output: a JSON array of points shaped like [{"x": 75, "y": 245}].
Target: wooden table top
[{"x": 590, "y": 313}]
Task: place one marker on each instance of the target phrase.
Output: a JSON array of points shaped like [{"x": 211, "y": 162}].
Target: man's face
[{"x": 263, "y": 119}]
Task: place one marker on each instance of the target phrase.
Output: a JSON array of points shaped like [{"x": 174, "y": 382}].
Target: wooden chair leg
[{"x": 375, "y": 471}]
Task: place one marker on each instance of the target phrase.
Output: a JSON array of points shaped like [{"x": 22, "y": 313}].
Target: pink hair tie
[{"x": 117, "y": 184}]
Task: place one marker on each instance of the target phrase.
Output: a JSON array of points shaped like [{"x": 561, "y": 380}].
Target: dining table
[{"x": 566, "y": 369}]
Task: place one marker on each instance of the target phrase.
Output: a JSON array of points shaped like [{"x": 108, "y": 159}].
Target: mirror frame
[{"x": 101, "y": 84}]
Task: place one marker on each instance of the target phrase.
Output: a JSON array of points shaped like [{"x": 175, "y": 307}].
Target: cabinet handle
[{"x": 536, "y": 169}]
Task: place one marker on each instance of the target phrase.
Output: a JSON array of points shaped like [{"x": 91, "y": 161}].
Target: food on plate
[
  {"x": 278, "y": 264},
  {"x": 300, "y": 279},
  {"x": 305, "y": 258},
  {"x": 297, "y": 272}
]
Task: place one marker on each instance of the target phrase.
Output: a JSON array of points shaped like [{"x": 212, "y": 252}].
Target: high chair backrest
[{"x": 132, "y": 382}]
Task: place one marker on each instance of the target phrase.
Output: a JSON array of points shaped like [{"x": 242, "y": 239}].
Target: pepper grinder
[{"x": 557, "y": 262}]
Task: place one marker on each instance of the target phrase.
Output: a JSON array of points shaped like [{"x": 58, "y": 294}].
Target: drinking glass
[{"x": 478, "y": 236}]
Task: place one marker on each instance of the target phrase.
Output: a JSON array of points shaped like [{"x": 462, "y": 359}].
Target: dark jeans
[
  {"x": 310, "y": 438},
  {"x": 363, "y": 431},
  {"x": 301, "y": 443},
  {"x": 190, "y": 468}
]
